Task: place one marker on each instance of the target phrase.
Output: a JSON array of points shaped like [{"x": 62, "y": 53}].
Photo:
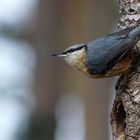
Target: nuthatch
[{"x": 105, "y": 57}]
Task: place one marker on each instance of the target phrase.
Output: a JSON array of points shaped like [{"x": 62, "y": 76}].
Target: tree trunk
[{"x": 125, "y": 115}]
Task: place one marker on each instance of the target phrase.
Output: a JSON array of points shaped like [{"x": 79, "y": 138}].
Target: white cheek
[{"x": 72, "y": 58}]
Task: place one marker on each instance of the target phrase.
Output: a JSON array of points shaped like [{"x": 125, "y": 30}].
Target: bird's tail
[{"x": 135, "y": 33}]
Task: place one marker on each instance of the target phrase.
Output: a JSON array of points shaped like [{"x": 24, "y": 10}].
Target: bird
[{"x": 107, "y": 56}]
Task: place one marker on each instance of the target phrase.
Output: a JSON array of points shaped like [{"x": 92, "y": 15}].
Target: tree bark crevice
[{"x": 125, "y": 116}]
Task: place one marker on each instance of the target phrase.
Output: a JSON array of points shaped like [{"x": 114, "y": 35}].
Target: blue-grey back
[{"x": 105, "y": 52}]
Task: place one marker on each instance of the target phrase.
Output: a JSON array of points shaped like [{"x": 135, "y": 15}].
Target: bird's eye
[
  {"x": 71, "y": 50},
  {"x": 74, "y": 49}
]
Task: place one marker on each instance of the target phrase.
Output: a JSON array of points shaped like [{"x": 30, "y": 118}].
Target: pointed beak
[{"x": 61, "y": 55}]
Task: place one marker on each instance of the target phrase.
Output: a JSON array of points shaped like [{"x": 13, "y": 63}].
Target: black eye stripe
[
  {"x": 71, "y": 50},
  {"x": 74, "y": 49}
]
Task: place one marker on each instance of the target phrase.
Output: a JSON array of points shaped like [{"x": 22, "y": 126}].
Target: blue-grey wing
[{"x": 104, "y": 53}]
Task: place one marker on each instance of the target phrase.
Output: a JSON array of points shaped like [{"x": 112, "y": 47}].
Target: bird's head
[{"x": 73, "y": 55}]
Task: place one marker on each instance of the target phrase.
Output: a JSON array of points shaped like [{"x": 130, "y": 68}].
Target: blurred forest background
[{"x": 41, "y": 97}]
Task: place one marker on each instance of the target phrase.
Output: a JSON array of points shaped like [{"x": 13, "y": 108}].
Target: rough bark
[{"x": 125, "y": 115}]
